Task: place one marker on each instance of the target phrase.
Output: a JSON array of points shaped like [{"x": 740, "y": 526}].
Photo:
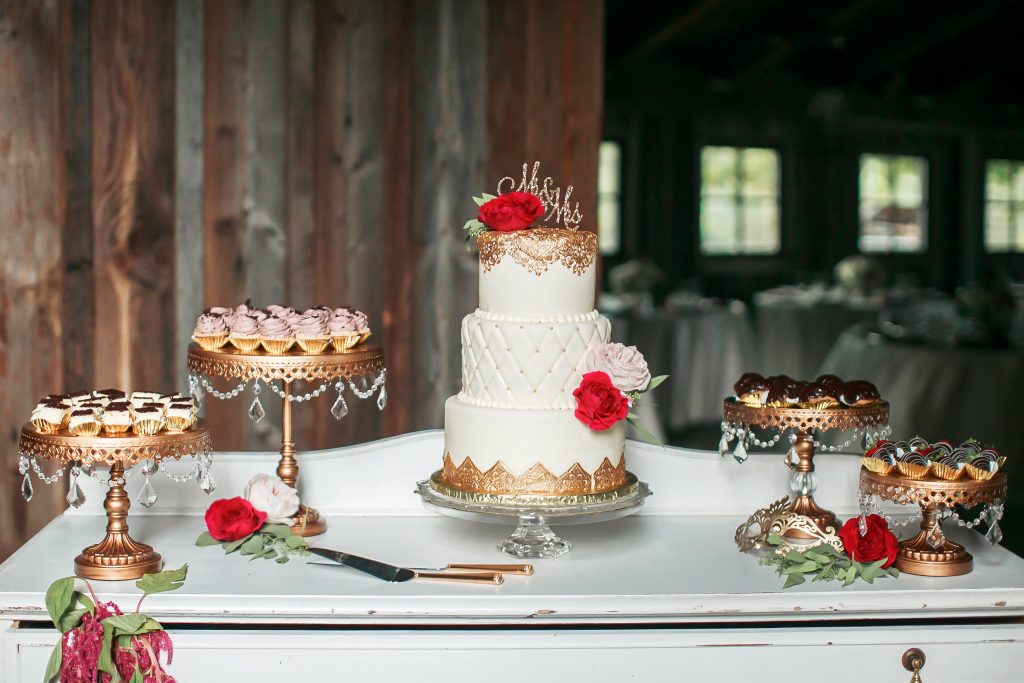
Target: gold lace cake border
[
  {"x": 537, "y": 248},
  {"x": 537, "y": 480},
  {"x": 630, "y": 488}
]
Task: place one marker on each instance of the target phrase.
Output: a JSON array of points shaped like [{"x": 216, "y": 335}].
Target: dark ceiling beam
[
  {"x": 943, "y": 32},
  {"x": 671, "y": 31}
]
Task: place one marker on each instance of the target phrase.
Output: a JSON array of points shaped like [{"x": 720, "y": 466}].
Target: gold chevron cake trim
[{"x": 538, "y": 479}]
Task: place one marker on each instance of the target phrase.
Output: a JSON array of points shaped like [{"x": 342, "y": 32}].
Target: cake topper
[{"x": 557, "y": 207}]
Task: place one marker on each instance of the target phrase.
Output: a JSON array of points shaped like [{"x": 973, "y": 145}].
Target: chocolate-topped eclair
[{"x": 858, "y": 392}]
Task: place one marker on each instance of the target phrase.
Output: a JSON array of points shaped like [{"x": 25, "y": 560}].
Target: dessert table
[{"x": 660, "y": 594}]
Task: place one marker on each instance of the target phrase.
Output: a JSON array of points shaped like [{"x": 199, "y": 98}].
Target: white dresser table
[{"x": 660, "y": 596}]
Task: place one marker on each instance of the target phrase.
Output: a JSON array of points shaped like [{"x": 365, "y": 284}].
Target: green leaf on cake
[
  {"x": 655, "y": 382},
  {"x": 634, "y": 422}
]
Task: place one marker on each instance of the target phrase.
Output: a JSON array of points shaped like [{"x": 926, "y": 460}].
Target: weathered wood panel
[
  {"x": 32, "y": 204},
  {"x": 188, "y": 176},
  {"x": 133, "y": 193}
]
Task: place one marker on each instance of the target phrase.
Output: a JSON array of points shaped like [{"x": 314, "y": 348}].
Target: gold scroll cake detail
[
  {"x": 538, "y": 479},
  {"x": 537, "y": 248}
]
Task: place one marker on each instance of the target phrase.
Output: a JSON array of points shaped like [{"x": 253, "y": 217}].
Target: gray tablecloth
[
  {"x": 794, "y": 339},
  {"x": 702, "y": 351}
]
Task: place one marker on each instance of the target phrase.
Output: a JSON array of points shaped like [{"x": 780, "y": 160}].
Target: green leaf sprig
[
  {"x": 473, "y": 227},
  {"x": 822, "y": 563},
  {"x": 270, "y": 542},
  {"x": 66, "y": 607},
  {"x": 634, "y": 420}
]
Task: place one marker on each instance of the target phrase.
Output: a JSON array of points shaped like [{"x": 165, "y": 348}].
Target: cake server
[
  {"x": 516, "y": 569},
  {"x": 395, "y": 574}
]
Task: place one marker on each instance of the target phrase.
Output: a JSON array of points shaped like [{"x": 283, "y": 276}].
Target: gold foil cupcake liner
[
  {"x": 877, "y": 466},
  {"x": 147, "y": 427},
  {"x": 944, "y": 471},
  {"x": 115, "y": 428},
  {"x": 245, "y": 344},
  {"x": 45, "y": 427},
  {"x": 210, "y": 342},
  {"x": 178, "y": 424},
  {"x": 86, "y": 429},
  {"x": 975, "y": 472},
  {"x": 343, "y": 343},
  {"x": 911, "y": 470},
  {"x": 823, "y": 405},
  {"x": 277, "y": 347},
  {"x": 363, "y": 336},
  {"x": 313, "y": 345}
]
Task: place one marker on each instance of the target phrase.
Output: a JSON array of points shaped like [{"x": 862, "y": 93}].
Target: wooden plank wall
[{"x": 156, "y": 158}]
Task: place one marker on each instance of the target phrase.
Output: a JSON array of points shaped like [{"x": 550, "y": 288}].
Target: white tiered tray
[{"x": 655, "y": 596}]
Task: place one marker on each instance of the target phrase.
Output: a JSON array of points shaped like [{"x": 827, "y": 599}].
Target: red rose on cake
[
  {"x": 511, "y": 211},
  {"x": 230, "y": 519},
  {"x": 879, "y": 542},
  {"x": 599, "y": 404}
]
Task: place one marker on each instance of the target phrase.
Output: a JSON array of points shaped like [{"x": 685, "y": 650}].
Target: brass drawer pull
[{"x": 913, "y": 660}]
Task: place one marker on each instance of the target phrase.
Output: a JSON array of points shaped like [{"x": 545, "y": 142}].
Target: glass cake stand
[{"x": 533, "y": 536}]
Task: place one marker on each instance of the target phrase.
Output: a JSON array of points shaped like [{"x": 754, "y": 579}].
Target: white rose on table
[
  {"x": 626, "y": 366},
  {"x": 269, "y": 494}
]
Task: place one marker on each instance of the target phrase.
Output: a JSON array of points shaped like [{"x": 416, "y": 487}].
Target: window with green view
[
  {"x": 739, "y": 201},
  {"x": 1004, "y": 205},
  {"x": 893, "y": 203},
  {"x": 609, "y": 197}
]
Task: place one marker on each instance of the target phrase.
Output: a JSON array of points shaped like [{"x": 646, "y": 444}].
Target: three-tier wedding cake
[{"x": 512, "y": 428}]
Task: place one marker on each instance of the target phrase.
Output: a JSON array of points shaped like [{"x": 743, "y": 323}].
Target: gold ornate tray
[
  {"x": 360, "y": 361},
  {"x": 930, "y": 553},
  {"x": 118, "y": 556},
  {"x": 739, "y": 417}
]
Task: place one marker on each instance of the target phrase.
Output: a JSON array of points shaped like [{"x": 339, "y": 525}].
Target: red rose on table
[
  {"x": 599, "y": 405},
  {"x": 876, "y": 544},
  {"x": 230, "y": 519},
  {"x": 511, "y": 211}
]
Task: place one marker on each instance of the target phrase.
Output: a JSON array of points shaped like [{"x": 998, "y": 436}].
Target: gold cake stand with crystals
[
  {"x": 118, "y": 556},
  {"x": 930, "y": 553},
  {"x": 355, "y": 365},
  {"x": 868, "y": 423}
]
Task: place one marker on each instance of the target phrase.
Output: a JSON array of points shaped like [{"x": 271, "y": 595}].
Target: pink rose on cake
[
  {"x": 274, "y": 497},
  {"x": 511, "y": 211},
  {"x": 599, "y": 405},
  {"x": 624, "y": 365}
]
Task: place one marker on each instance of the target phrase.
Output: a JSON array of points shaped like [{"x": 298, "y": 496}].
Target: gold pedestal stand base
[
  {"x": 93, "y": 563},
  {"x": 308, "y": 522},
  {"x": 917, "y": 556}
]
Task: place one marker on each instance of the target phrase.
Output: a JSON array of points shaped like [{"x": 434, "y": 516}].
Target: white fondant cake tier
[
  {"x": 520, "y": 364},
  {"x": 521, "y": 439},
  {"x": 510, "y": 289}
]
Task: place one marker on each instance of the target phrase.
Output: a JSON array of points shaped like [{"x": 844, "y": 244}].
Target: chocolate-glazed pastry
[
  {"x": 828, "y": 380},
  {"x": 821, "y": 395},
  {"x": 751, "y": 389},
  {"x": 858, "y": 392}
]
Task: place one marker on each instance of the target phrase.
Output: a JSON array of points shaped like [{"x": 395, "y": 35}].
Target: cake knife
[{"x": 395, "y": 574}]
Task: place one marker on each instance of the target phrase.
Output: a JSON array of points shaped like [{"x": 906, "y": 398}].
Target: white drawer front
[{"x": 981, "y": 654}]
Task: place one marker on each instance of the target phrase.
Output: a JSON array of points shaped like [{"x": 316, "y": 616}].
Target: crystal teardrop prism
[
  {"x": 208, "y": 485},
  {"x": 792, "y": 457},
  {"x": 740, "y": 453},
  {"x": 935, "y": 538},
  {"x": 75, "y": 497},
  {"x": 382, "y": 398},
  {"x": 723, "y": 445},
  {"x": 256, "y": 411},
  {"x": 26, "y": 487},
  {"x": 147, "y": 496},
  {"x": 340, "y": 408},
  {"x": 862, "y": 525},
  {"x": 994, "y": 535}
]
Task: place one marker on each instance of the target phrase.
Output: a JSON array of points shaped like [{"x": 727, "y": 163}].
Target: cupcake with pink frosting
[
  {"x": 311, "y": 331},
  {"x": 211, "y": 331},
  {"x": 275, "y": 335},
  {"x": 244, "y": 332},
  {"x": 344, "y": 328}
]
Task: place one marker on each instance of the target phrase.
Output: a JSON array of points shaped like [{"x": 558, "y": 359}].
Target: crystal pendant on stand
[
  {"x": 862, "y": 525},
  {"x": 723, "y": 445},
  {"x": 26, "y": 487},
  {"x": 207, "y": 484},
  {"x": 867, "y": 442},
  {"x": 994, "y": 535},
  {"x": 382, "y": 397},
  {"x": 22, "y": 463},
  {"x": 792, "y": 457},
  {"x": 741, "y": 452},
  {"x": 935, "y": 538},
  {"x": 197, "y": 391},
  {"x": 147, "y": 496},
  {"x": 75, "y": 497},
  {"x": 256, "y": 411},
  {"x": 340, "y": 408}
]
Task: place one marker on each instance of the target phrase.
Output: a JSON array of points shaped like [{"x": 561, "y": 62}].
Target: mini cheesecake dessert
[
  {"x": 149, "y": 419},
  {"x": 109, "y": 394},
  {"x": 180, "y": 417},
  {"x": 50, "y": 416},
  {"x": 84, "y": 422},
  {"x": 140, "y": 398},
  {"x": 78, "y": 397},
  {"x": 117, "y": 418}
]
